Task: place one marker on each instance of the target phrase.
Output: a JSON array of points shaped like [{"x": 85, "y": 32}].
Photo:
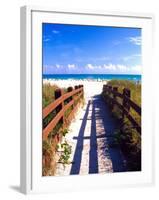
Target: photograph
[{"x": 91, "y": 99}]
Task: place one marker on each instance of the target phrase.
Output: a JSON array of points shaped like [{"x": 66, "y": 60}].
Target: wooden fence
[
  {"x": 63, "y": 102},
  {"x": 110, "y": 95}
]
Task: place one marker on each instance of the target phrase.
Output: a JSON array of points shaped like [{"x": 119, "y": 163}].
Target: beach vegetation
[
  {"x": 48, "y": 94},
  {"x": 66, "y": 150},
  {"x": 57, "y": 137},
  {"x": 126, "y": 135}
]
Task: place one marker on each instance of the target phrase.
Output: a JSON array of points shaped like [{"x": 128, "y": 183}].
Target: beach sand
[{"x": 91, "y": 87}]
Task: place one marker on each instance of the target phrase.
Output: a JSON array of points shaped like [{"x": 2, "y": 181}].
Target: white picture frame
[{"x": 31, "y": 179}]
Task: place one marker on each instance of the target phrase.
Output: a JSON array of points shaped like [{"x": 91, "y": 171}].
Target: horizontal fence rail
[
  {"x": 110, "y": 95},
  {"x": 63, "y": 102}
]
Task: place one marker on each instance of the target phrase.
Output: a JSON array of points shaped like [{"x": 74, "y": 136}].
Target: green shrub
[
  {"x": 135, "y": 89},
  {"x": 127, "y": 136},
  {"x": 65, "y": 156},
  {"x": 48, "y": 94},
  {"x": 52, "y": 144}
]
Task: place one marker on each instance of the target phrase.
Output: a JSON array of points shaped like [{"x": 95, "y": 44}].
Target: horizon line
[{"x": 92, "y": 74}]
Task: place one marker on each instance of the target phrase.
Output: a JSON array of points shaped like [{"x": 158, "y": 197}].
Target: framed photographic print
[{"x": 86, "y": 115}]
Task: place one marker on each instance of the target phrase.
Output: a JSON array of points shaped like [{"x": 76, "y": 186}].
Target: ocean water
[{"x": 92, "y": 77}]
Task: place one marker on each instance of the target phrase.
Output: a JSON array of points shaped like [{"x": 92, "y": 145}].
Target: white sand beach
[
  {"x": 90, "y": 150},
  {"x": 102, "y": 163},
  {"x": 91, "y": 87}
]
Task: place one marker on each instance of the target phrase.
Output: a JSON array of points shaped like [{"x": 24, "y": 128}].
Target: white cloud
[
  {"x": 122, "y": 68},
  {"x": 116, "y": 68},
  {"x": 96, "y": 69},
  {"x": 71, "y": 66},
  {"x": 58, "y": 66},
  {"x": 137, "y": 69},
  {"x": 90, "y": 66},
  {"x": 55, "y": 31},
  {"x": 110, "y": 67},
  {"x": 46, "y": 39},
  {"x": 135, "y": 40}
]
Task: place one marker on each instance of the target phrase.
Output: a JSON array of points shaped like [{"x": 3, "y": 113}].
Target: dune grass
[
  {"x": 134, "y": 87},
  {"x": 56, "y": 136},
  {"x": 127, "y": 136},
  {"x": 48, "y": 94}
]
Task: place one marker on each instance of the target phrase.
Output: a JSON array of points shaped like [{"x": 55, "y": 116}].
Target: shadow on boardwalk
[{"x": 103, "y": 126}]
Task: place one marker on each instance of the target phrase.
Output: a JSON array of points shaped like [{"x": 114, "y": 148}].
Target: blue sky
[{"x": 77, "y": 49}]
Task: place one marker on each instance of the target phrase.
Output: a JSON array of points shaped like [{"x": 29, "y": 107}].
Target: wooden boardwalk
[{"x": 91, "y": 137}]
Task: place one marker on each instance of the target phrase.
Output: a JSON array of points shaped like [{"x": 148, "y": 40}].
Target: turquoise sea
[{"x": 92, "y": 77}]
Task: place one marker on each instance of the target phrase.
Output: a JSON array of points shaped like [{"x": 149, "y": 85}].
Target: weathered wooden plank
[
  {"x": 55, "y": 120},
  {"x": 131, "y": 119},
  {"x": 78, "y": 97},
  {"x": 52, "y": 124},
  {"x": 117, "y": 103},
  {"x": 116, "y": 93},
  {"x": 69, "y": 94},
  {"x": 60, "y": 114},
  {"x": 46, "y": 111},
  {"x": 134, "y": 106},
  {"x": 68, "y": 105}
]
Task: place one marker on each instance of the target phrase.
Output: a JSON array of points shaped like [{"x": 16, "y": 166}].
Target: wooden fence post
[
  {"x": 69, "y": 89},
  {"x": 109, "y": 95},
  {"x": 82, "y": 92},
  {"x": 58, "y": 94},
  {"x": 106, "y": 93},
  {"x": 104, "y": 88},
  {"x": 80, "y": 86},
  {"x": 126, "y": 105},
  {"x": 115, "y": 89},
  {"x": 76, "y": 87}
]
